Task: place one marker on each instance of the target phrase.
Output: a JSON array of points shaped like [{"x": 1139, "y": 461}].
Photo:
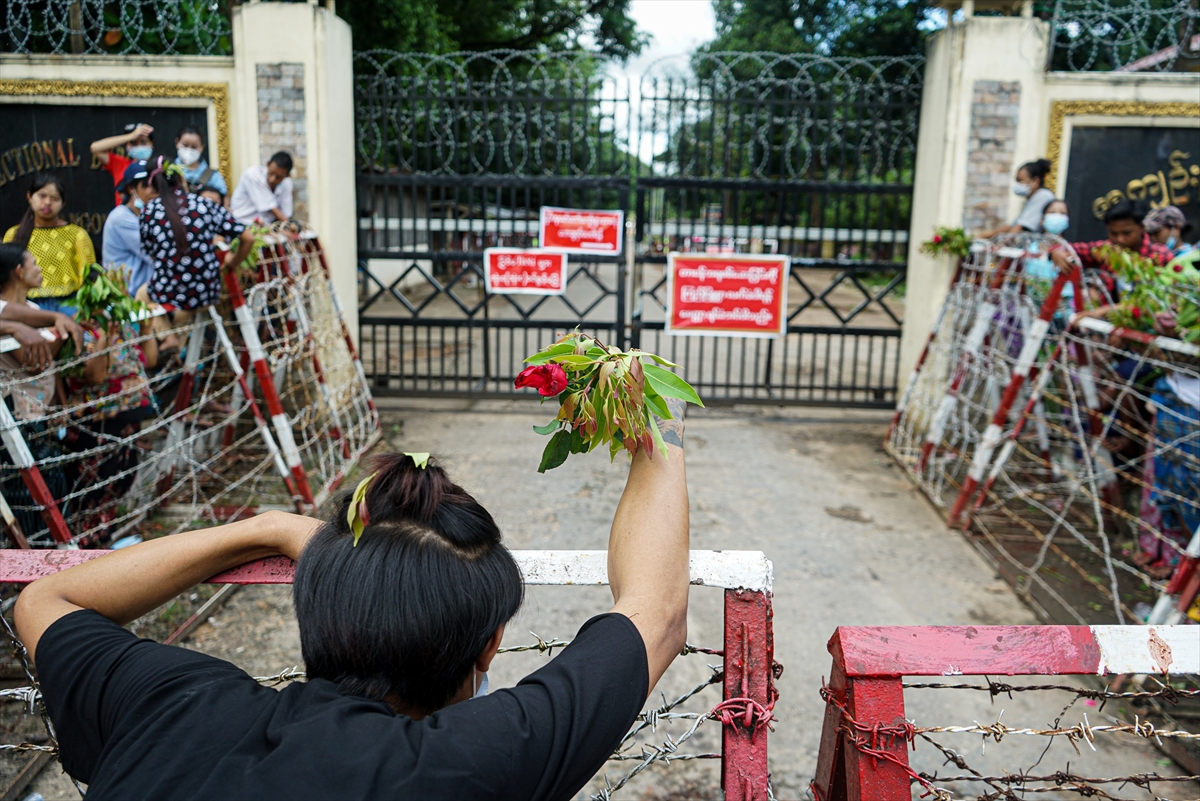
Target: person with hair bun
[
  {"x": 1030, "y": 184},
  {"x": 402, "y": 594}
]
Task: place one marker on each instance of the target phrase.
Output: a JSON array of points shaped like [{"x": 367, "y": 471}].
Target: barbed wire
[{"x": 131, "y": 27}]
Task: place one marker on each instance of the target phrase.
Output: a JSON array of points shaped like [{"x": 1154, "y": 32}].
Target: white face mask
[
  {"x": 138, "y": 203},
  {"x": 482, "y": 687},
  {"x": 1020, "y": 189},
  {"x": 188, "y": 155},
  {"x": 1055, "y": 222}
]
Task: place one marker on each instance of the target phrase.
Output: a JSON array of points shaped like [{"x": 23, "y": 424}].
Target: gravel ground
[{"x": 852, "y": 544}]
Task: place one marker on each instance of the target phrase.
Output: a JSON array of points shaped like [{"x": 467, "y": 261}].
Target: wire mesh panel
[
  {"x": 141, "y": 27},
  {"x": 1081, "y": 478},
  {"x": 136, "y": 441},
  {"x": 723, "y": 718}
]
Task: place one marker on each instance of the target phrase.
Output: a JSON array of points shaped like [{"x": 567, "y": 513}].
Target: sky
[{"x": 678, "y": 26}]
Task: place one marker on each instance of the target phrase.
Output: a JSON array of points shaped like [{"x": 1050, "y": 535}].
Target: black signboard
[
  {"x": 57, "y": 138},
  {"x": 1157, "y": 166}
]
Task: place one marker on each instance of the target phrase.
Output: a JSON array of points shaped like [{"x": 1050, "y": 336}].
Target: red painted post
[{"x": 749, "y": 695}]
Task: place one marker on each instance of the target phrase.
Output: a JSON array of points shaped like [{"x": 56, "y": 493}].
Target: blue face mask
[
  {"x": 138, "y": 203},
  {"x": 481, "y": 690},
  {"x": 140, "y": 152},
  {"x": 1171, "y": 243},
  {"x": 1055, "y": 223}
]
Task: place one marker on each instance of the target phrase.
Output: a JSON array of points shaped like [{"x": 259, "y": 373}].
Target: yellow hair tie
[{"x": 358, "y": 516}]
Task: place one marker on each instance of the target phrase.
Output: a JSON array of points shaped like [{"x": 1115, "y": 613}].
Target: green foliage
[
  {"x": 948, "y": 242},
  {"x": 829, "y": 27},
  {"x": 1174, "y": 289},
  {"x": 611, "y": 398},
  {"x": 103, "y": 301},
  {"x": 443, "y": 26}
]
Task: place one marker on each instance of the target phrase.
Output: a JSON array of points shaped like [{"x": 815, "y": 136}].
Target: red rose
[
  {"x": 1178, "y": 268},
  {"x": 1136, "y": 312},
  {"x": 937, "y": 240},
  {"x": 547, "y": 379}
]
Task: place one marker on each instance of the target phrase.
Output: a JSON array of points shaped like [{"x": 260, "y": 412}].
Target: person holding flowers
[{"x": 402, "y": 594}]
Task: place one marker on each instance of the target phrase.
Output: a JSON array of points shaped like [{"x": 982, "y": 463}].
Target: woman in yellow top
[{"x": 62, "y": 250}]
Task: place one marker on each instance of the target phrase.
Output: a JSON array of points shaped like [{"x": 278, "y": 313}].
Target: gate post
[{"x": 749, "y": 695}]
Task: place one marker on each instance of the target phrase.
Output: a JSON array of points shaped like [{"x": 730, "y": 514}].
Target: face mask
[
  {"x": 1020, "y": 189},
  {"x": 482, "y": 689},
  {"x": 188, "y": 156},
  {"x": 1055, "y": 223},
  {"x": 140, "y": 152},
  {"x": 138, "y": 203},
  {"x": 1171, "y": 243}
]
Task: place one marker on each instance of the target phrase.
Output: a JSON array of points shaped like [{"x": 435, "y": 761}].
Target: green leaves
[
  {"x": 611, "y": 399},
  {"x": 556, "y": 452},
  {"x": 669, "y": 385}
]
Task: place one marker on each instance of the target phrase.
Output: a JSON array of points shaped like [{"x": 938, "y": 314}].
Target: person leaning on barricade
[
  {"x": 402, "y": 595},
  {"x": 177, "y": 229}
]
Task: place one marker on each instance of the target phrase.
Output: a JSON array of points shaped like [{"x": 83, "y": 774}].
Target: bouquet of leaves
[
  {"x": 103, "y": 301},
  {"x": 606, "y": 396},
  {"x": 1173, "y": 289},
  {"x": 948, "y": 242}
]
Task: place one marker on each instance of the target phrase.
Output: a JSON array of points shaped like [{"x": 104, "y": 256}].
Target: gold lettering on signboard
[
  {"x": 1161, "y": 190},
  {"x": 72, "y": 159}
]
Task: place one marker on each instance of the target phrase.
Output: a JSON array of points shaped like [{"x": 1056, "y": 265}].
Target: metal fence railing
[
  {"x": 129, "y": 27},
  {"x": 1124, "y": 35}
]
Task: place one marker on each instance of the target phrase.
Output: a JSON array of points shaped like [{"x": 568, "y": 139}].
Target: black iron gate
[{"x": 807, "y": 156}]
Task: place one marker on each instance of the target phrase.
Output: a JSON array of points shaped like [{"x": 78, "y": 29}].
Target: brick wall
[
  {"x": 995, "y": 110},
  {"x": 281, "y": 123}
]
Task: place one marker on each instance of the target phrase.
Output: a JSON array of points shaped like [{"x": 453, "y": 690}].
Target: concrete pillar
[
  {"x": 295, "y": 92},
  {"x": 983, "y": 76}
]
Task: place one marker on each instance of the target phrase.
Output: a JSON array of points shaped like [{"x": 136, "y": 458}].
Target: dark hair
[
  {"x": 404, "y": 614},
  {"x": 1058, "y": 200},
  {"x": 39, "y": 182},
  {"x": 190, "y": 129},
  {"x": 208, "y": 188},
  {"x": 283, "y": 159},
  {"x": 1125, "y": 210},
  {"x": 129, "y": 128},
  {"x": 11, "y": 257},
  {"x": 174, "y": 201},
  {"x": 1037, "y": 169}
]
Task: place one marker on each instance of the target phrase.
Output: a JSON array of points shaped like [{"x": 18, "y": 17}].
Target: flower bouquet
[
  {"x": 948, "y": 242},
  {"x": 1155, "y": 290},
  {"x": 102, "y": 302},
  {"x": 606, "y": 396}
]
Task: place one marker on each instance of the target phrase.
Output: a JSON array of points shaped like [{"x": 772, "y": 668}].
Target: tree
[
  {"x": 826, "y": 27},
  {"x": 440, "y": 26}
]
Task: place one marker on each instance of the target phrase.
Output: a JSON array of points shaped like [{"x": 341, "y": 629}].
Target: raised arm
[
  {"x": 648, "y": 548},
  {"x": 126, "y": 584},
  {"x": 102, "y": 147}
]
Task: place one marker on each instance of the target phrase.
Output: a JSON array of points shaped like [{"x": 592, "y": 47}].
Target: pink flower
[{"x": 547, "y": 379}]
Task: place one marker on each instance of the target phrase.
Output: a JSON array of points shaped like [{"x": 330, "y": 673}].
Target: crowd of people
[
  {"x": 173, "y": 228},
  {"x": 1163, "y": 483}
]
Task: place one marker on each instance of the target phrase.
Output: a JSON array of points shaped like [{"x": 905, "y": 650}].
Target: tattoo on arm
[{"x": 672, "y": 430}]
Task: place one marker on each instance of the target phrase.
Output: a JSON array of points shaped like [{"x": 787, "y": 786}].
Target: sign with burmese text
[
  {"x": 55, "y": 138},
  {"x": 581, "y": 230},
  {"x": 1154, "y": 166},
  {"x": 727, "y": 294},
  {"x": 511, "y": 271}
]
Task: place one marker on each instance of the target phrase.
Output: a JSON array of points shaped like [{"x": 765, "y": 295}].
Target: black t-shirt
[{"x": 137, "y": 719}]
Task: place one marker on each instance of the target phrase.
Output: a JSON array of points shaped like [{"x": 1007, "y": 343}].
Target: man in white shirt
[{"x": 264, "y": 193}]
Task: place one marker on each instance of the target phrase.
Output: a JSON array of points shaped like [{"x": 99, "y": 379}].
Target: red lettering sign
[
  {"x": 511, "y": 271},
  {"x": 731, "y": 294},
  {"x": 581, "y": 230}
]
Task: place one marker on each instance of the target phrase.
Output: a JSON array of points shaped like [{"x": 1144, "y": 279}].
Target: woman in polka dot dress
[{"x": 177, "y": 229}]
